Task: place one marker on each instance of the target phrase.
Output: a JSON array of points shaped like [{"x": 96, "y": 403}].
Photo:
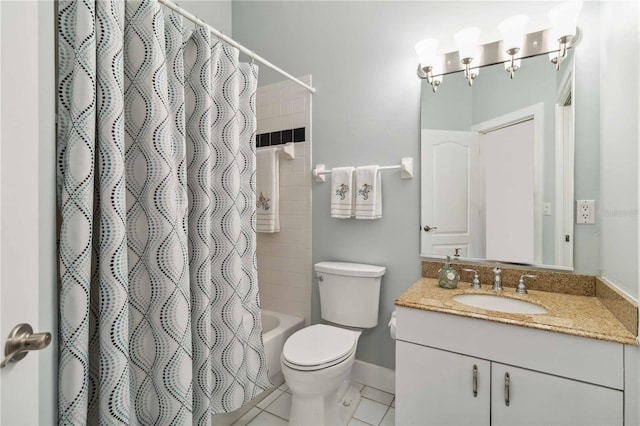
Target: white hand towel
[
  {"x": 342, "y": 192},
  {"x": 369, "y": 193},
  {"x": 267, "y": 190}
]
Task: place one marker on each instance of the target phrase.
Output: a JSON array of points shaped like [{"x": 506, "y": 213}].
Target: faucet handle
[
  {"x": 522, "y": 289},
  {"x": 497, "y": 279},
  {"x": 476, "y": 280}
]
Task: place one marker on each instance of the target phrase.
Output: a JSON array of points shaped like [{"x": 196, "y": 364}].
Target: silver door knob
[
  {"x": 21, "y": 340},
  {"x": 429, "y": 228}
]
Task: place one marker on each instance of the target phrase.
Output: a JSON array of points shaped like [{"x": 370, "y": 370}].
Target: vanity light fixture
[
  {"x": 564, "y": 20},
  {"x": 513, "y": 30},
  {"x": 430, "y": 62},
  {"x": 515, "y": 45},
  {"x": 467, "y": 42}
]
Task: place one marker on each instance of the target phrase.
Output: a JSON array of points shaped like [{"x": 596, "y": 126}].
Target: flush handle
[
  {"x": 475, "y": 381},
  {"x": 21, "y": 340},
  {"x": 320, "y": 278},
  {"x": 507, "y": 385}
]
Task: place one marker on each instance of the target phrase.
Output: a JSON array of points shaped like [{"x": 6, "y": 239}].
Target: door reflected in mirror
[{"x": 497, "y": 165}]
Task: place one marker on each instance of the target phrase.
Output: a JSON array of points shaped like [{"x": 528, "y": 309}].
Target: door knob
[
  {"x": 21, "y": 340},
  {"x": 429, "y": 228}
]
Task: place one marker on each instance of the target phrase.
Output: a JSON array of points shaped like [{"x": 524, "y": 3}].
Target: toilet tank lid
[{"x": 350, "y": 269}]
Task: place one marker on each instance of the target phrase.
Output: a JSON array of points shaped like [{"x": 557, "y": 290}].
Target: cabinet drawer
[{"x": 579, "y": 358}]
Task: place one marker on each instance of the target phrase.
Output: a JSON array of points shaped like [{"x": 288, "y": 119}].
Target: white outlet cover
[{"x": 585, "y": 212}]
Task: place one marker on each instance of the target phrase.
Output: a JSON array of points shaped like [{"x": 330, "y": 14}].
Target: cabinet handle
[
  {"x": 506, "y": 389},
  {"x": 475, "y": 381}
]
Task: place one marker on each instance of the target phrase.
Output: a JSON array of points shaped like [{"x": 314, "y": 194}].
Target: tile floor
[{"x": 376, "y": 408}]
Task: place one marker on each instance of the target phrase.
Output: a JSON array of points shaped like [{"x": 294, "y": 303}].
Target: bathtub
[{"x": 276, "y": 329}]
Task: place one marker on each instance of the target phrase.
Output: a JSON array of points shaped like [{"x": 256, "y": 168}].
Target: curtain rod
[{"x": 191, "y": 17}]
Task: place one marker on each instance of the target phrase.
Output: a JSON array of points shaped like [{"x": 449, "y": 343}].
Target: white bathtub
[{"x": 276, "y": 329}]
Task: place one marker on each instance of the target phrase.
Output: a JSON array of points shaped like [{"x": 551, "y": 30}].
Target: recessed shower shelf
[{"x": 405, "y": 167}]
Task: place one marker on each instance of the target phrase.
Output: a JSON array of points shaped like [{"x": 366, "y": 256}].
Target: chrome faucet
[
  {"x": 522, "y": 289},
  {"x": 476, "y": 280},
  {"x": 497, "y": 280}
]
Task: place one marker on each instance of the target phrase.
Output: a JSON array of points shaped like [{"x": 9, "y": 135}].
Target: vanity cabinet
[
  {"x": 435, "y": 387},
  {"x": 541, "y": 399},
  {"x": 452, "y": 370}
]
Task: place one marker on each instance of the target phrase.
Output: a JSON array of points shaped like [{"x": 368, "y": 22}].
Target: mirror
[{"x": 497, "y": 165}]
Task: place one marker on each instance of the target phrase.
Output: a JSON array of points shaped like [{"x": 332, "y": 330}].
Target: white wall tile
[
  {"x": 274, "y": 110},
  {"x": 286, "y": 108},
  {"x": 299, "y": 164},
  {"x": 292, "y": 207},
  {"x": 274, "y": 264},
  {"x": 299, "y": 120},
  {"x": 290, "y": 251},
  {"x": 284, "y": 278},
  {"x": 287, "y": 121},
  {"x": 287, "y": 293},
  {"x": 298, "y": 105},
  {"x": 295, "y": 221},
  {"x": 294, "y": 193},
  {"x": 293, "y": 178},
  {"x": 301, "y": 149},
  {"x": 284, "y": 258},
  {"x": 286, "y": 307},
  {"x": 287, "y": 93}
]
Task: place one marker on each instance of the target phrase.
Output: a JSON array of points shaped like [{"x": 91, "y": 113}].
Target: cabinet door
[
  {"x": 541, "y": 399},
  {"x": 435, "y": 387}
]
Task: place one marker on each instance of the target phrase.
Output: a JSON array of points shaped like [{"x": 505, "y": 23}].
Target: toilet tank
[{"x": 349, "y": 293}]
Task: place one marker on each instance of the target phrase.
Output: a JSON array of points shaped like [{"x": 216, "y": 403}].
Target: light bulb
[
  {"x": 564, "y": 19},
  {"x": 467, "y": 42},
  {"x": 427, "y": 50},
  {"x": 513, "y": 30}
]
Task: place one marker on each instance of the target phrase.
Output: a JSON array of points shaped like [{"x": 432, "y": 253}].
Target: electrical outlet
[{"x": 586, "y": 211}]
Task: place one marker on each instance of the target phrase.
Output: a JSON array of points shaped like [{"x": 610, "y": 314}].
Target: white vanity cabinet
[{"x": 553, "y": 379}]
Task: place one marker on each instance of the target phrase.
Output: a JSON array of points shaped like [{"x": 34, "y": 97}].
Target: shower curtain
[{"x": 159, "y": 310}]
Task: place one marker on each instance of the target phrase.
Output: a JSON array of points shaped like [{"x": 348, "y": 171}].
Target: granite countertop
[{"x": 582, "y": 316}]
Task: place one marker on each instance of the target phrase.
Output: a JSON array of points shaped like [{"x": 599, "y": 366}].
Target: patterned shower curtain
[{"x": 159, "y": 310}]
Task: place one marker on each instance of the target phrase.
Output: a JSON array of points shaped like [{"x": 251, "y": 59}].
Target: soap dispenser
[{"x": 447, "y": 276}]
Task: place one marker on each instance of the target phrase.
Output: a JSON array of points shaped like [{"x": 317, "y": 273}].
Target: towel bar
[
  {"x": 405, "y": 167},
  {"x": 287, "y": 149}
]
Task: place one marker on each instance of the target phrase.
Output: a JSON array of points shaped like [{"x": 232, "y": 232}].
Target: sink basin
[{"x": 500, "y": 304}]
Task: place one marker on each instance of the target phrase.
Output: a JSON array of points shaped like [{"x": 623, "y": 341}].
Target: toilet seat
[{"x": 318, "y": 346}]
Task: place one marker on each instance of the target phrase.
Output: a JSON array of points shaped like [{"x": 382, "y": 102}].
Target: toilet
[{"x": 317, "y": 360}]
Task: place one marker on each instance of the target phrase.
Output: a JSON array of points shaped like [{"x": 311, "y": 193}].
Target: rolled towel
[
  {"x": 267, "y": 190},
  {"x": 369, "y": 193},
  {"x": 342, "y": 192}
]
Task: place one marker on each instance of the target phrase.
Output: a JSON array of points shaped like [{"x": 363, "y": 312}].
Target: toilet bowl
[
  {"x": 317, "y": 360},
  {"x": 316, "y": 363}
]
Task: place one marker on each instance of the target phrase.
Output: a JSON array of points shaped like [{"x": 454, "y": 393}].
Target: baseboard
[{"x": 374, "y": 376}]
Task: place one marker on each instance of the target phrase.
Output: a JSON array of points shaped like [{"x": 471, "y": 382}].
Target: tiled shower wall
[{"x": 284, "y": 258}]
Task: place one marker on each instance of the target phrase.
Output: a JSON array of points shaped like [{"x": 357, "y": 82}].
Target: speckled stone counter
[{"x": 578, "y": 315}]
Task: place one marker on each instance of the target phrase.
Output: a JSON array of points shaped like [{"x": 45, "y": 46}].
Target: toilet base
[
  {"x": 323, "y": 412},
  {"x": 349, "y": 404}
]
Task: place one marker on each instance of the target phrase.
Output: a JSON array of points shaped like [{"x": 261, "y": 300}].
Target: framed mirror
[{"x": 497, "y": 165}]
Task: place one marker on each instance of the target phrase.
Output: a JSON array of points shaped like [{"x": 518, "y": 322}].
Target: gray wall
[
  {"x": 216, "y": 13},
  {"x": 367, "y": 111},
  {"x": 620, "y": 114},
  {"x": 619, "y": 148}
]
